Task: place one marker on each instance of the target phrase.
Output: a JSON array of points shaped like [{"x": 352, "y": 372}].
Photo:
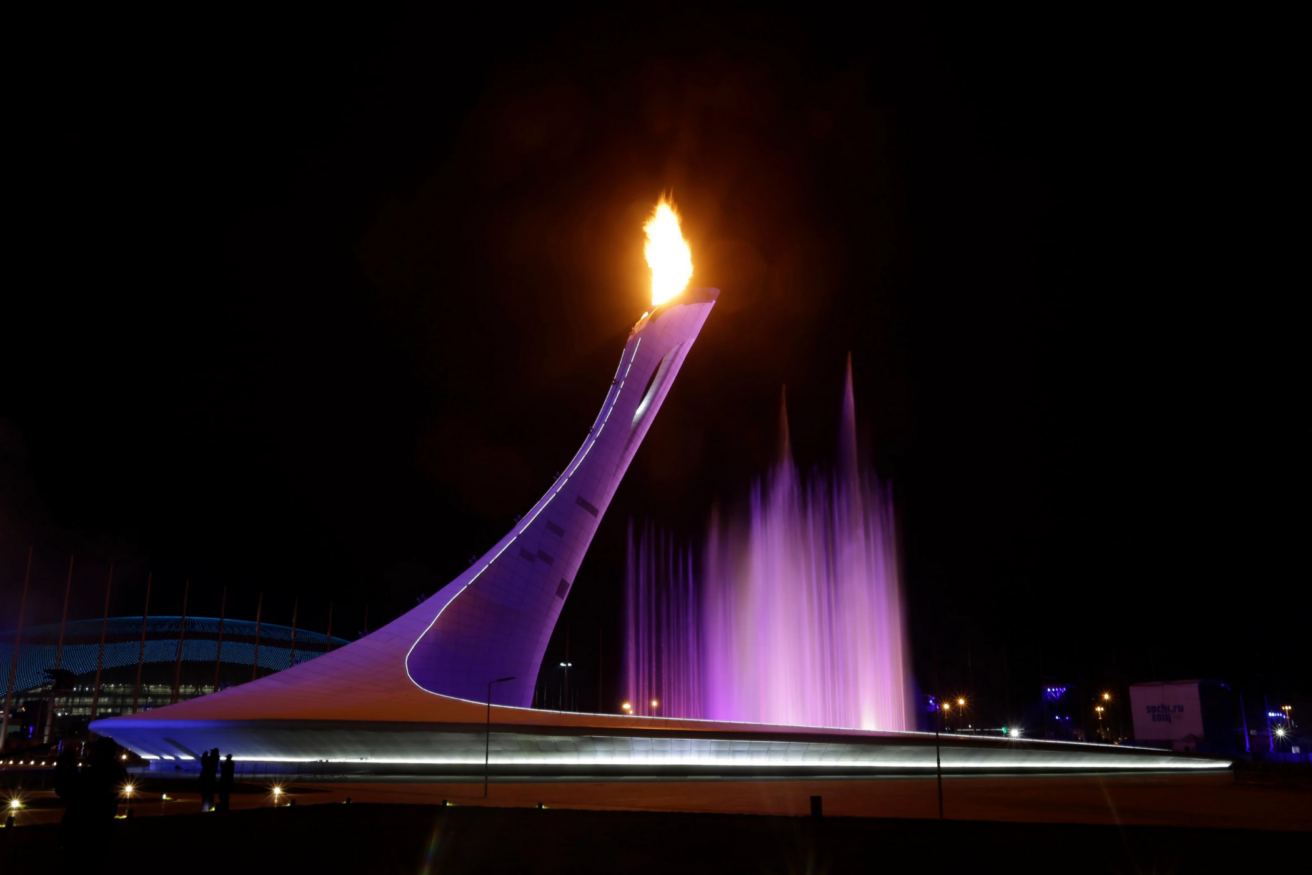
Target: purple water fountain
[{"x": 790, "y": 613}]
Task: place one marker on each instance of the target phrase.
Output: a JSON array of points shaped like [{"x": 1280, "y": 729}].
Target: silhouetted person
[
  {"x": 209, "y": 767},
  {"x": 103, "y": 778},
  {"x": 225, "y": 780},
  {"x": 91, "y": 799},
  {"x": 68, "y": 787},
  {"x": 66, "y": 776}
]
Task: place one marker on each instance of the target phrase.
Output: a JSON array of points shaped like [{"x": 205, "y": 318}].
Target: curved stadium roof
[{"x": 36, "y": 653}]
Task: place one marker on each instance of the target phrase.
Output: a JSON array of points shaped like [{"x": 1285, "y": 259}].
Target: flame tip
[{"x": 667, "y": 252}]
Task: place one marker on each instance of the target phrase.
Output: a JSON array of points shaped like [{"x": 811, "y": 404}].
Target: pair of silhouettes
[{"x": 215, "y": 774}]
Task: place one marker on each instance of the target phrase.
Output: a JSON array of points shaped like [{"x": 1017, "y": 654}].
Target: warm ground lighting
[
  {"x": 667, "y": 253},
  {"x": 626, "y": 706},
  {"x": 654, "y": 703}
]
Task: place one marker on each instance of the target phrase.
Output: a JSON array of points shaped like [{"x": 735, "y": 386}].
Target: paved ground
[
  {"x": 369, "y": 838},
  {"x": 1212, "y": 800}
]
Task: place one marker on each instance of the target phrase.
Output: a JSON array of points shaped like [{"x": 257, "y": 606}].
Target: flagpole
[
  {"x": 141, "y": 652},
  {"x": 218, "y": 655},
  {"x": 182, "y": 638},
  {"x": 255, "y": 663},
  {"x": 59, "y": 655},
  {"x": 13, "y": 665},
  {"x": 100, "y": 655}
]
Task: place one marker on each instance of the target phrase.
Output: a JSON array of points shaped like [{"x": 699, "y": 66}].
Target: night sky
[{"x": 314, "y": 304}]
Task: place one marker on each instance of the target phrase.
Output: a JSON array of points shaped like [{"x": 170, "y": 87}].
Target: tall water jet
[{"x": 790, "y": 613}]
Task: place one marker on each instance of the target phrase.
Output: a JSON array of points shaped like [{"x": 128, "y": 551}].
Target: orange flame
[{"x": 667, "y": 253}]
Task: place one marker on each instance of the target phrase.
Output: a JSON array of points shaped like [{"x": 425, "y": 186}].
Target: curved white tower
[
  {"x": 491, "y": 622},
  {"x": 495, "y": 620}
]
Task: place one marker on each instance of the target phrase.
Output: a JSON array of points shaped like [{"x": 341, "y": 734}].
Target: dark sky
[{"x": 313, "y": 304}]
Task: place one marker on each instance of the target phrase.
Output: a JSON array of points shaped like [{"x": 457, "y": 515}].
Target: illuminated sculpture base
[{"x": 608, "y": 746}]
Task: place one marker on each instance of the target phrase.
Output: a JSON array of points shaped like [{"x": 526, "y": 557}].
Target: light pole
[
  {"x": 938, "y": 751},
  {"x": 564, "y": 699},
  {"x": 487, "y": 744}
]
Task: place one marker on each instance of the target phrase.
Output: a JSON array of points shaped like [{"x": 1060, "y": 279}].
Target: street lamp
[{"x": 487, "y": 744}]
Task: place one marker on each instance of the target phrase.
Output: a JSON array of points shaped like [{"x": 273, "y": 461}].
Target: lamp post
[
  {"x": 938, "y": 751},
  {"x": 487, "y": 744},
  {"x": 564, "y": 698}
]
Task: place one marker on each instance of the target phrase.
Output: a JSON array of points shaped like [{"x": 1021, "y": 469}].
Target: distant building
[
  {"x": 1060, "y": 717},
  {"x": 74, "y": 683}
]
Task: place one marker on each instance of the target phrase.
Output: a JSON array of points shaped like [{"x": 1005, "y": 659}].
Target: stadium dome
[{"x": 200, "y": 658}]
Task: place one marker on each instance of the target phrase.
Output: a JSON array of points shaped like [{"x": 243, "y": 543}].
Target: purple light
[{"x": 791, "y": 614}]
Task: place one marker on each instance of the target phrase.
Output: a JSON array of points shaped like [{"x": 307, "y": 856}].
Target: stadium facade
[
  {"x": 178, "y": 661},
  {"x": 414, "y": 693}
]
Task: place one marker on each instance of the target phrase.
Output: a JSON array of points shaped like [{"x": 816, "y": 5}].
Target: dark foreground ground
[{"x": 430, "y": 839}]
